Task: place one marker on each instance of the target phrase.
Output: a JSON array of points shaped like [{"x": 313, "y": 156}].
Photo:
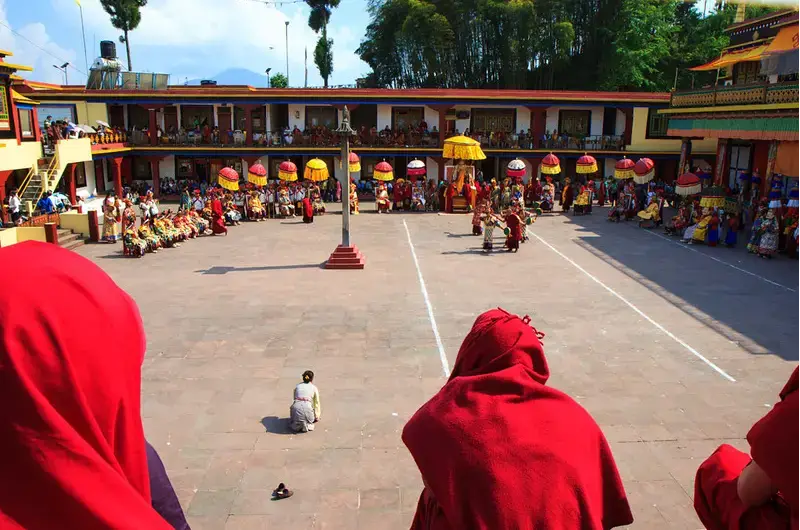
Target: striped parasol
[{"x": 354, "y": 163}]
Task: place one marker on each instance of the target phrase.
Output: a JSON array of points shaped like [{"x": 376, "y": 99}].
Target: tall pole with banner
[{"x": 346, "y": 255}]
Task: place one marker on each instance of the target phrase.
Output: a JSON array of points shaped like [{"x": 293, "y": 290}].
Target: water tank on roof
[
  {"x": 108, "y": 49},
  {"x": 207, "y": 82}
]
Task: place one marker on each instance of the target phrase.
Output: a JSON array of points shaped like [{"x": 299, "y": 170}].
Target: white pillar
[
  {"x": 216, "y": 115},
  {"x": 178, "y": 111}
]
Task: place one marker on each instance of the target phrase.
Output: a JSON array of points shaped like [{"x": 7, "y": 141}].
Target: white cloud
[
  {"x": 199, "y": 38},
  {"x": 37, "y": 49}
]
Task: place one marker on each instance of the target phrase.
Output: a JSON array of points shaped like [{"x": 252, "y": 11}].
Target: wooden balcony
[{"x": 726, "y": 96}]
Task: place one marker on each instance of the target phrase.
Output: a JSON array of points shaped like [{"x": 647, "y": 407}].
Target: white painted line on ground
[
  {"x": 641, "y": 313},
  {"x": 439, "y": 345},
  {"x": 688, "y": 247}
]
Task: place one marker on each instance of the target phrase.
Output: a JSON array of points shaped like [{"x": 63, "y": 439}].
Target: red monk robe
[
  {"x": 217, "y": 218},
  {"x": 514, "y": 224},
  {"x": 601, "y": 194},
  {"x": 308, "y": 210},
  {"x": 499, "y": 449},
  {"x": 448, "y": 197},
  {"x": 398, "y": 192},
  {"x": 773, "y": 447}
]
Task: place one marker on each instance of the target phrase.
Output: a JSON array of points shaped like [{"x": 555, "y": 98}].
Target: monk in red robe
[
  {"x": 733, "y": 491},
  {"x": 308, "y": 210},
  {"x": 601, "y": 194},
  {"x": 398, "y": 191},
  {"x": 407, "y": 193},
  {"x": 218, "y": 217},
  {"x": 448, "y": 197},
  {"x": 514, "y": 236},
  {"x": 499, "y": 449}
]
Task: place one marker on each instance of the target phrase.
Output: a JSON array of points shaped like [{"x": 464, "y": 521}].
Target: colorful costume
[
  {"x": 111, "y": 216},
  {"x": 382, "y": 202},
  {"x": 755, "y": 233},
  {"x": 582, "y": 202},
  {"x": 285, "y": 206},
  {"x": 477, "y": 217},
  {"x": 316, "y": 201},
  {"x": 255, "y": 208},
  {"x": 768, "y": 243},
  {"x": 701, "y": 229},
  {"x": 566, "y": 196},
  {"x": 152, "y": 241},
  {"x": 489, "y": 224},
  {"x": 713, "y": 229},
  {"x": 513, "y": 231},
  {"x": 353, "y": 198},
  {"x": 650, "y": 215}
]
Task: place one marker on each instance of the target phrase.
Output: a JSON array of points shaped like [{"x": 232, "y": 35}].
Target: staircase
[
  {"x": 38, "y": 180},
  {"x": 69, "y": 240}
]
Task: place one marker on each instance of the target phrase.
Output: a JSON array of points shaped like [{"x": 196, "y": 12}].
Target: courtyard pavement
[{"x": 673, "y": 350}]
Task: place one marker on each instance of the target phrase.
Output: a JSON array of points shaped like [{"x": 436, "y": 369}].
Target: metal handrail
[
  {"x": 51, "y": 169},
  {"x": 765, "y": 88},
  {"x": 27, "y": 180}
]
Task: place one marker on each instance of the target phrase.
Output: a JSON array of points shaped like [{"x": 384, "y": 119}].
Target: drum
[
  {"x": 538, "y": 211},
  {"x": 507, "y": 231},
  {"x": 529, "y": 220}
]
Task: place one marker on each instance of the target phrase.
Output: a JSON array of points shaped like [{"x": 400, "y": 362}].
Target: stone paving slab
[{"x": 233, "y": 321}]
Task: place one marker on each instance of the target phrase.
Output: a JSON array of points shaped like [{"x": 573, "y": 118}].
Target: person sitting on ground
[
  {"x": 74, "y": 435},
  {"x": 498, "y": 449},
  {"x": 306, "y": 409},
  {"x": 46, "y": 204},
  {"x": 650, "y": 216},
  {"x": 734, "y": 491}
]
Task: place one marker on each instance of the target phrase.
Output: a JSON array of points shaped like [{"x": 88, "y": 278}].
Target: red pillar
[
  {"x": 14, "y": 116},
  {"x": 534, "y": 162},
  {"x": 51, "y": 233},
  {"x": 628, "y": 134},
  {"x": 3, "y": 178},
  {"x": 152, "y": 128},
  {"x": 721, "y": 163},
  {"x": 116, "y": 170},
  {"x": 537, "y": 125},
  {"x": 37, "y": 131},
  {"x": 99, "y": 176},
  {"x": 70, "y": 174},
  {"x": 94, "y": 226},
  {"x": 155, "y": 172}
]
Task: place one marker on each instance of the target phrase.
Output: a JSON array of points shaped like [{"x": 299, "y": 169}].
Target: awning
[
  {"x": 22, "y": 100},
  {"x": 738, "y": 56},
  {"x": 785, "y": 41}
]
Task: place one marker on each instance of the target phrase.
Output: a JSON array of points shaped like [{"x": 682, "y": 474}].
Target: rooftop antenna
[{"x": 306, "y": 82}]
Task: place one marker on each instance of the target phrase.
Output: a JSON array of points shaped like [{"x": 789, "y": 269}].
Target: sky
[{"x": 188, "y": 39}]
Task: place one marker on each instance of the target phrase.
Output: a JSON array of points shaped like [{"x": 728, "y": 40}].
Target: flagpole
[{"x": 83, "y": 34}]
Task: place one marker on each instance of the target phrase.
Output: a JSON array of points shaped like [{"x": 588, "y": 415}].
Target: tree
[
  {"x": 318, "y": 20},
  {"x": 125, "y": 16},
  {"x": 323, "y": 56},
  {"x": 278, "y": 81}
]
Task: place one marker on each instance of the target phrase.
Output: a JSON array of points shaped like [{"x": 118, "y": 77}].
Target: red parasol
[
  {"x": 383, "y": 171},
  {"x": 586, "y": 164},
  {"x": 551, "y": 165},
  {"x": 229, "y": 179},
  {"x": 257, "y": 174},
  {"x": 354, "y": 163},
  {"x": 688, "y": 184},
  {"x": 287, "y": 171},
  {"x": 644, "y": 171}
]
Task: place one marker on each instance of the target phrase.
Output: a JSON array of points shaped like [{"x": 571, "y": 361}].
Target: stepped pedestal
[{"x": 345, "y": 258}]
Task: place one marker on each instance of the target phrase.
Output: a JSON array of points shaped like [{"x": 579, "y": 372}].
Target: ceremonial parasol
[
  {"x": 623, "y": 169},
  {"x": 550, "y": 165},
  {"x": 462, "y": 147},
  {"x": 416, "y": 168},
  {"x": 687, "y": 184},
  {"x": 228, "y": 178},
  {"x": 257, "y": 174},
  {"x": 287, "y": 171},
  {"x": 516, "y": 168},
  {"x": 713, "y": 197},
  {"x": 316, "y": 170},
  {"x": 383, "y": 171},
  {"x": 354, "y": 163},
  {"x": 586, "y": 164},
  {"x": 644, "y": 171},
  {"x": 104, "y": 124}
]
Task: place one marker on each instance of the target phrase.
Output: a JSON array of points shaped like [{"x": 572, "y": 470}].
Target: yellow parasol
[
  {"x": 623, "y": 169},
  {"x": 550, "y": 165},
  {"x": 316, "y": 170},
  {"x": 463, "y": 148},
  {"x": 257, "y": 174},
  {"x": 383, "y": 171},
  {"x": 354, "y": 162}
]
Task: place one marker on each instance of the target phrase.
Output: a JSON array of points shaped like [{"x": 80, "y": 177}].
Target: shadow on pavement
[
  {"x": 276, "y": 425},
  {"x": 759, "y": 317},
  {"x": 225, "y": 270}
]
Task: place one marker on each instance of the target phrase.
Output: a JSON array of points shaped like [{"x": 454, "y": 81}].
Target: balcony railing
[{"x": 752, "y": 94}]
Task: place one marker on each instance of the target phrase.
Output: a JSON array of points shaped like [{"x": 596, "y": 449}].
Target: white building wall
[
  {"x": 384, "y": 117},
  {"x": 463, "y": 125},
  {"x": 166, "y": 167},
  {"x": 91, "y": 186},
  {"x": 608, "y": 167},
  {"x": 297, "y": 116},
  {"x": 596, "y": 124},
  {"x": 431, "y": 118},
  {"x": 432, "y": 166},
  {"x": 523, "y": 119}
]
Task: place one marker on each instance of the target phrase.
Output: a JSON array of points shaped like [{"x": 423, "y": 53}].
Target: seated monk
[
  {"x": 734, "y": 491},
  {"x": 255, "y": 208},
  {"x": 679, "y": 222},
  {"x": 382, "y": 202},
  {"x": 543, "y": 464},
  {"x": 650, "y": 216}
]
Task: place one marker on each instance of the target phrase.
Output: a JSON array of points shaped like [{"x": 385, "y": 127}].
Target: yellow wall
[
  {"x": 23, "y": 156},
  {"x": 640, "y": 142},
  {"x": 19, "y": 234},
  {"x": 96, "y": 111},
  {"x": 75, "y": 150},
  {"x": 77, "y": 222}
]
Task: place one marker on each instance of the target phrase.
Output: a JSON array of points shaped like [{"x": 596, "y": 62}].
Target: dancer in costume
[
  {"x": 732, "y": 222},
  {"x": 153, "y": 241},
  {"x": 353, "y": 198},
  {"x": 477, "y": 217},
  {"x": 548, "y": 194},
  {"x": 713, "y": 229},
  {"x": 417, "y": 197},
  {"x": 316, "y": 201},
  {"x": 431, "y": 197},
  {"x": 132, "y": 245},
  {"x": 582, "y": 202},
  {"x": 755, "y": 231},
  {"x": 513, "y": 230},
  {"x": 111, "y": 216},
  {"x": 397, "y": 194},
  {"x": 768, "y": 243},
  {"x": 701, "y": 229},
  {"x": 382, "y": 202},
  {"x": 566, "y": 195}
]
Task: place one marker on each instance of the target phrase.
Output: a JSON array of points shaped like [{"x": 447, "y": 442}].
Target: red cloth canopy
[
  {"x": 551, "y": 165},
  {"x": 586, "y": 164},
  {"x": 623, "y": 169},
  {"x": 688, "y": 184},
  {"x": 72, "y": 447},
  {"x": 497, "y": 448}
]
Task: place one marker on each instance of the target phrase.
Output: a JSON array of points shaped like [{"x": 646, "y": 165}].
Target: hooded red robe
[
  {"x": 72, "y": 448},
  {"x": 498, "y": 449},
  {"x": 218, "y": 218},
  {"x": 773, "y": 446}
]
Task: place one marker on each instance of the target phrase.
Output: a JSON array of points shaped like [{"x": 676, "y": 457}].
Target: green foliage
[
  {"x": 278, "y": 81},
  {"x": 542, "y": 44},
  {"x": 125, "y": 16},
  {"x": 323, "y": 56}
]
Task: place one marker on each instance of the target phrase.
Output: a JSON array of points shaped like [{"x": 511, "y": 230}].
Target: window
[
  {"x": 405, "y": 117},
  {"x": 5, "y": 123},
  {"x": 141, "y": 168},
  {"x": 322, "y": 117},
  {"x": 26, "y": 123},
  {"x": 747, "y": 72},
  {"x": 493, "y": 120},
  {"x": 657, "y": 124},
  {"x": 80, "y": 175},
  {"x": 64, "y": 113},
  {"x": 574, "y": 123}
]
